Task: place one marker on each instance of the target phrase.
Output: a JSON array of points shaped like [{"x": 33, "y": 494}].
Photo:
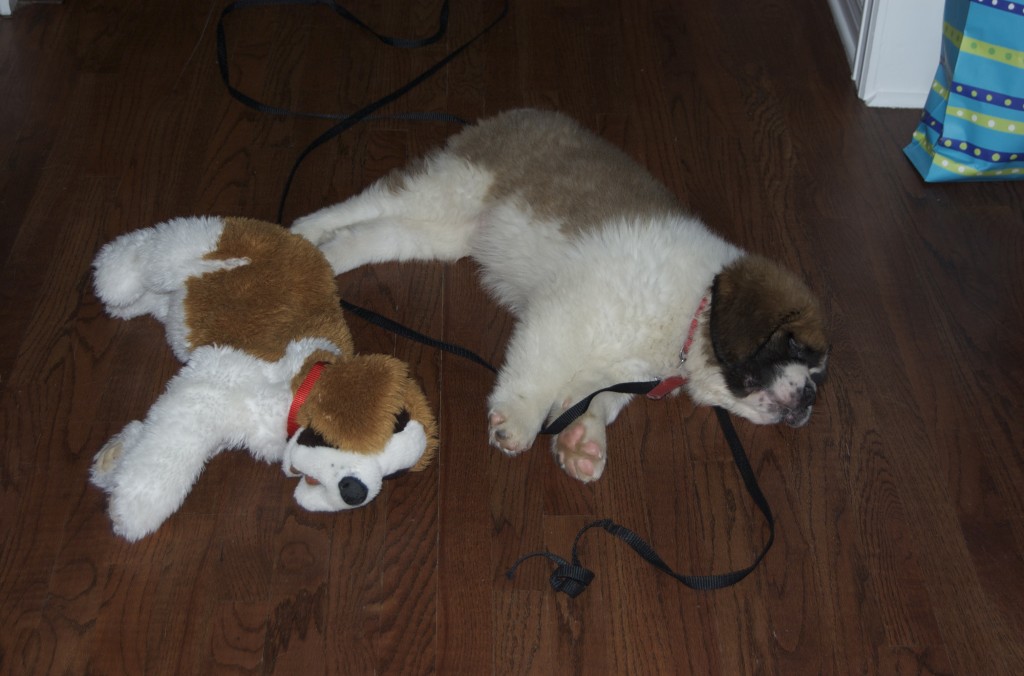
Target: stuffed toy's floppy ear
[
  {"x": 358, "y": 403},
  {"x": 753, "y": 299}
]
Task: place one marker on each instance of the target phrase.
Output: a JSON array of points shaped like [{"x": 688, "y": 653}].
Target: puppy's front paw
[
  {"x": 506, "y": 434},
  {"x": 580, "y": 449}
]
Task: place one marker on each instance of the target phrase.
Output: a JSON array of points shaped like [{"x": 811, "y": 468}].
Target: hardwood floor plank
[{"x": 465, "y": 569}]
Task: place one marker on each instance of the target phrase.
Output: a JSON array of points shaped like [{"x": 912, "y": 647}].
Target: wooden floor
[{"x": 900, "y": 508}]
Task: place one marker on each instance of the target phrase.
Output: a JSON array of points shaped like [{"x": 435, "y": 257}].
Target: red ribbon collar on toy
[
  {"x": 300, "y": 396},
  {"x": 673, "y": 383}
]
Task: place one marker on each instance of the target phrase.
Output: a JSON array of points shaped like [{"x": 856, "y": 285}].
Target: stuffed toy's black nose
[{"x": 353, "y": 491}]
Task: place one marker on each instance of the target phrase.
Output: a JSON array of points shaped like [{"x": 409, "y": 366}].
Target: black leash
[
  {"x": 345, "y": 122},
  {"x": 570, "y": 577},
  {"x": 405, "y": 332}
]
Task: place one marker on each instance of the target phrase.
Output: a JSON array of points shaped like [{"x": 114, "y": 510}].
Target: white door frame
[{"x": 896, "y": 50}]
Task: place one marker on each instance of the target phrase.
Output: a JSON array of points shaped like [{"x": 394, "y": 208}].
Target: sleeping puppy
[{"x": 609, "y": 278}]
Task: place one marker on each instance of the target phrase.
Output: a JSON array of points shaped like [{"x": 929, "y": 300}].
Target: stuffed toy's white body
[{"x": 268, "y": 366}]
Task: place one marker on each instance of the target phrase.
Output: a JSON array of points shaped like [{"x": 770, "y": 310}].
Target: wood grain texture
[{"x": 899, "y": 509}]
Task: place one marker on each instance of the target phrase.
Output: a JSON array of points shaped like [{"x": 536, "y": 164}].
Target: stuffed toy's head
[{"x": 385, "y": 428}]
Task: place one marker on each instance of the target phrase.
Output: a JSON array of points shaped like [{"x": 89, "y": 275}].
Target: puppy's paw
[
  {"x": 344, "y": 251},
  {"x": 505, "y": 433},
  {"x": 580, "y": 449},
  {"x": 317, "y": 228}
]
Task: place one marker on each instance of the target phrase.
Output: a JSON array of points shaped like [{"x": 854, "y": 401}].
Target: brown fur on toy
[{"x": 253, "y": 313}]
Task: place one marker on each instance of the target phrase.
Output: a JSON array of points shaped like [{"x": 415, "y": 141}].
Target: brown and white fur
[
  {"x": 604, "y": 271},
  {"x": 250, "y": 309}
]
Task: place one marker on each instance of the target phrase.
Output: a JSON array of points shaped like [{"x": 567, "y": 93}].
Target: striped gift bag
[{"x": 972, "y": 127}]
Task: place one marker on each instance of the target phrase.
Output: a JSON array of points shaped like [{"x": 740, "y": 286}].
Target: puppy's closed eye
[{"x": 797, "y": 350}]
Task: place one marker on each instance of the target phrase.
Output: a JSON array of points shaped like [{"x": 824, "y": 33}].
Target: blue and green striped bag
[{"x": 972, "y": 127}]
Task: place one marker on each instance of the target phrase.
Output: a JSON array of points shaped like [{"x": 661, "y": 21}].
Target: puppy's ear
[{"x": 756, "y": 302}]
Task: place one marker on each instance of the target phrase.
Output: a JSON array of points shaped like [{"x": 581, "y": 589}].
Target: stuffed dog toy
[{"x": 252, "y": 311}]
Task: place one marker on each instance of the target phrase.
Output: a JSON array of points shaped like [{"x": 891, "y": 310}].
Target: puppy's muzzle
[
  {"x": 353, "y": 491},
  {"x": 798, "y": 415}
]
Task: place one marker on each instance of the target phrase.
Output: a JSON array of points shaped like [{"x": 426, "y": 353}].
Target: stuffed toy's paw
[{"x": 137, "y": 508}]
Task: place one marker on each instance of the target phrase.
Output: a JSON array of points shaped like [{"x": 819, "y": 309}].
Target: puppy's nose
[
  {"x": 353, "y": 491},
  {"x": 808, "y": 396}
]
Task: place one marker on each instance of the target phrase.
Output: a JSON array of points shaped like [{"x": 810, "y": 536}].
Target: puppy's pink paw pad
[
  {"x": 571, "y": 436},
  {"x": 584, "y": 468},
  {"x": 581, "y": 458}
]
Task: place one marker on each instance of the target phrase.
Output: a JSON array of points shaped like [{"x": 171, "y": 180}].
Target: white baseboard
[{"x": 878, "y": 98}]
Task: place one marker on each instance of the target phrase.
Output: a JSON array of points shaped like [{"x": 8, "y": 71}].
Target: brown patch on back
[
  {"x": 286, "y": 291},
  {"x": 560, "y": 170},
  {"x": 753, "y": 298},
  {"x": 356, "y": 401}
]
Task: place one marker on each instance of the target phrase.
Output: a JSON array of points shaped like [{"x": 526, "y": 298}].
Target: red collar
[
  {"x": 693, "y": 327},
  {"x": 300, "y": 396},
  {"x": 673, "y": 383}
]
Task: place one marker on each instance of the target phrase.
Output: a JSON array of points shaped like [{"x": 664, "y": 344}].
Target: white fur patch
[{"x": 328, "y": 467}]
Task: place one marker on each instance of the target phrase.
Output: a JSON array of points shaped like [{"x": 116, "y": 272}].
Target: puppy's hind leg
[
  {"x": 322, "y": 225},
  {"x": 429, "y": 212},
  {"x": 386, "y": 238}
]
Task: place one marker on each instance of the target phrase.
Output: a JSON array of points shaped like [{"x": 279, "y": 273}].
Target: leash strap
[
  {"x": 344, "y": 122},
  {"x": 572, "y": 578},
  {"x": 575, "y": 411},
  {"x": 405, "y": 332},
  {"x": 255, "y": 104}
]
